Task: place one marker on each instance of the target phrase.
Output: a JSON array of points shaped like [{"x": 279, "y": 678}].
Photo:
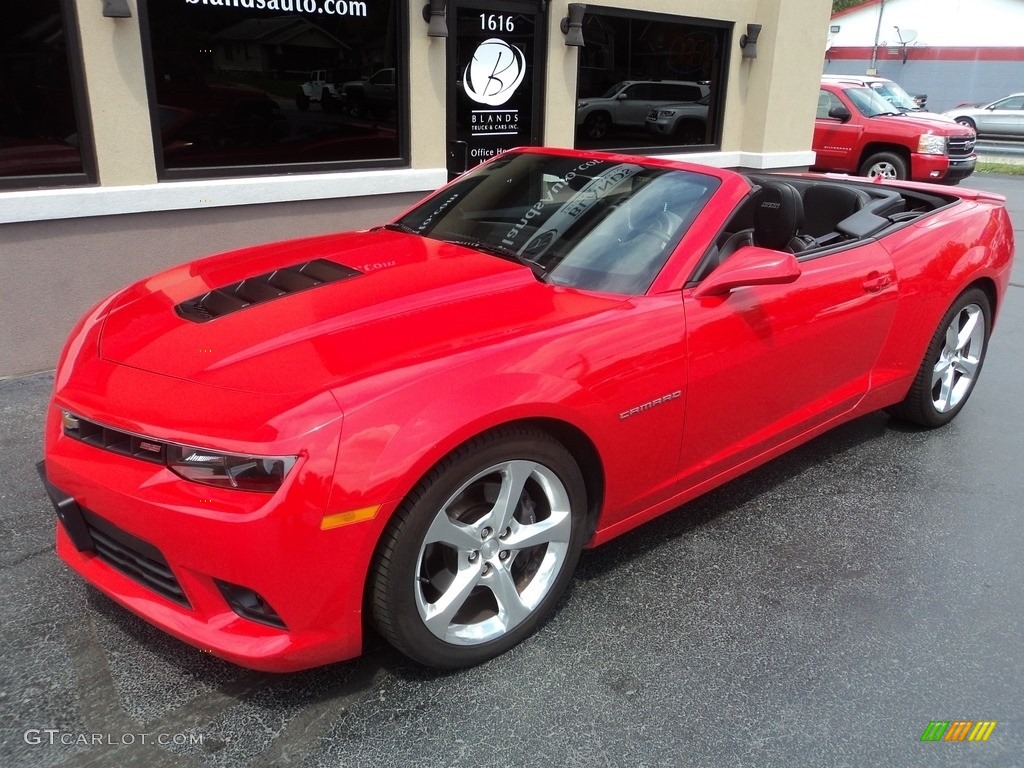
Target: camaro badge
[{"x": 650, "y": 404}]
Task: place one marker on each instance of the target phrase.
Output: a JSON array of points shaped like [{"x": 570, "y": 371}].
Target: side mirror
[
  {"x": 839, "y": 112},
  {"x": 750, "y": 265}
]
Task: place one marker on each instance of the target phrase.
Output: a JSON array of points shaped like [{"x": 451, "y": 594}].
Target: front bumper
[
  {"x": 941, "y": 168},
  {"x": 178, "y": 553}
]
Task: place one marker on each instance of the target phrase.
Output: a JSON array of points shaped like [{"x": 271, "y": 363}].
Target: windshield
[
  {"x": 896, "y": 96},
  {"x": 869, "y": 103},
  {"x": 597, "y": 224}
]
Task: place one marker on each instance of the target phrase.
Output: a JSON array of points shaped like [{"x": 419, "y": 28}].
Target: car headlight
[
  {"x": 930, "y": 144},
  {"x": 229, "y": 470},
  {"x": 581, "y": 104}
]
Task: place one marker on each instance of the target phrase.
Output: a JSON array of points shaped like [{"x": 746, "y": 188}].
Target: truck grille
[{"x": 961, "y": 146}]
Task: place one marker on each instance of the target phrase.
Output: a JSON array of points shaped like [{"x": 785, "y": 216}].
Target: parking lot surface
[{"x": 820, "y": 611}]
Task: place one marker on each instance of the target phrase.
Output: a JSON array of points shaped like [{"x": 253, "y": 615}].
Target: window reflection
[
  {"x": 39, "y": 132},
  {"x": 250, "y": 88},
  {"x": 649, "y": 80}
]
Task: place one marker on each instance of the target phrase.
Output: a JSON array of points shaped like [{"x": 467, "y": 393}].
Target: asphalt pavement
[{"x": 820, "y": 611}]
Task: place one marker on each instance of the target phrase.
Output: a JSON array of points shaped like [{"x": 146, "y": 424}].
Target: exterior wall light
[
  {"x": 572, "y": 25},
  {"x": 116, "y": 9},
  {"x": 748, "y": 42},
  {"x": 434, "y": 13}
]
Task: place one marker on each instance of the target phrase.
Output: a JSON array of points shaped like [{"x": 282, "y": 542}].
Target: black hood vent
[{"x": 262, "y": 288}]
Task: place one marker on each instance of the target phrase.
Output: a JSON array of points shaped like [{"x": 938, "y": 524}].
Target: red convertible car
[{"x": 420, "y": 426}]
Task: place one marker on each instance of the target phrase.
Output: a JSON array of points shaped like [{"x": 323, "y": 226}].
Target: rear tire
[
  {"x": 951, "y": 365},
  {"x": 477, "y": 556}
]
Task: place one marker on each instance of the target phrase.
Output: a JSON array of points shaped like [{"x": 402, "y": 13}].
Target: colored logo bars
[{"x": 958, "y": 730}]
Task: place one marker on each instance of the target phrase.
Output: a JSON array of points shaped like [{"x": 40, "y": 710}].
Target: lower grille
[{"x": 135, "y": 558}]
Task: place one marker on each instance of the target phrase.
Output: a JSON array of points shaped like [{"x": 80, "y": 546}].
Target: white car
[
  {"x": 627, "y": 104},
  {"x": 1003, "y": 117}
]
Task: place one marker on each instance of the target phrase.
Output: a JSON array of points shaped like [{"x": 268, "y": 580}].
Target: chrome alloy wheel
[
  {"x": 493, "y": 552},
  {"x": 959, "y": 359},
  {"x": 884, "y": 169}
]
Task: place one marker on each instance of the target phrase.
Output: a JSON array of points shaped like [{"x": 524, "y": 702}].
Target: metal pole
[{"x": 878, "y": 31}]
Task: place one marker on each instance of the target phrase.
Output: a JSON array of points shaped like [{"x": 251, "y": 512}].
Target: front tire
[
  {"x": 966, "y": 122},
  {"x": 596, "y": 125},
  {"x": 479, "y": 553},
  {"x": 888, "y": 165},
  {"x": 952, "y": 364}
]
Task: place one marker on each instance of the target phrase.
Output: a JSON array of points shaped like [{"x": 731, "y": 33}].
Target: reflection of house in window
[{"x": 287, "y": 45}]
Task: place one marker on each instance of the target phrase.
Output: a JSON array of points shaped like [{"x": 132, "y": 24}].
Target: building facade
[
  {"x": 137, "y": 134},
  {"x": 953, "y": 51}
]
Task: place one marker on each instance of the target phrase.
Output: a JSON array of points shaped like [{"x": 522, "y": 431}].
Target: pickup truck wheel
[
  {"x": 357, "y": 107},
  {"x": 596, "y": 125},
  {"x": 302, "y": 101},
  {"x": 888, "y": 165},
  {"x": 329, "y": 104}
]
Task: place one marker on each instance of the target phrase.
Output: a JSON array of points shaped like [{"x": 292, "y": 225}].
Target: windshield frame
[{"x": 590, "y": 222}]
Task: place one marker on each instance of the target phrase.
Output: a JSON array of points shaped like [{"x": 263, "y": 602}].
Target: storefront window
[
  {"x": 257, "y": 86},
  {"x": 650, "y": 80},
  {"x": 41, "y": 142}
]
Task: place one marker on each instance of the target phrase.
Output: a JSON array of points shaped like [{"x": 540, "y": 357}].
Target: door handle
[{"x": 876, "y": 281}]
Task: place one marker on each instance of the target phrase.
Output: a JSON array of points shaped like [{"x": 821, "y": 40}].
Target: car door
[
  {"x": 634, "y": 104},
  {"x": 766, "y": 363},
  {"x": 1005, "y": 117},
  {"x": 835, "y": 140}
]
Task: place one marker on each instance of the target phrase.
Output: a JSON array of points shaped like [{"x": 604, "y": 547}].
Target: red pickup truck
[{"x": 857, "y": 131}]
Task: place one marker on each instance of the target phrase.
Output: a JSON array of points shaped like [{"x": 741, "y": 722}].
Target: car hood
[
  {"x": 407, "y": 299},
  {"x": 927, "y": 121}
]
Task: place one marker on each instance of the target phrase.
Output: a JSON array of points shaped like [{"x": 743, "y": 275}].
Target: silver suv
[
  {"x": 684, "y": 123},
  {"x": 627, "y": 104}
]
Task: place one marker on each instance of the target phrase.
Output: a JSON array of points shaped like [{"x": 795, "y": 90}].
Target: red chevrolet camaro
[{"x": 422, "y": 425}]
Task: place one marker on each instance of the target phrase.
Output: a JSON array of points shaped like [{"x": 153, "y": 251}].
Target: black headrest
[
  {"x": 778, "y": 216},
  {"x": 827, "y": 204}
]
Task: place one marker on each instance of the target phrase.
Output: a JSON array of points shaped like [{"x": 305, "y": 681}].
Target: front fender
[{"x": 389, "y": 446}]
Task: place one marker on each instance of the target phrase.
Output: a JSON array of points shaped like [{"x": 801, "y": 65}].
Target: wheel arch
[
  {"x": 570, "y": 436},
  {"x": 988, "y": 287},
  {"x": 875, "y": 147}
]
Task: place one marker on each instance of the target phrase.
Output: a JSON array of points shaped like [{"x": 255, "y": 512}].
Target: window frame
[
  {"x": 403, "y": 123},
  {"x": 89, "y": 175},
  {"x": 716, "y": 107}
]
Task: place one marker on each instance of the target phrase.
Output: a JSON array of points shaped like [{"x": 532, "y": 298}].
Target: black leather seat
[
  {"x": 825, "y": 205},
  {"x": 778, "y": 219}
]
